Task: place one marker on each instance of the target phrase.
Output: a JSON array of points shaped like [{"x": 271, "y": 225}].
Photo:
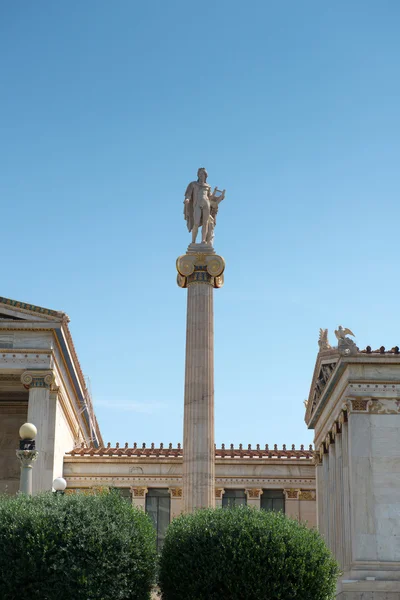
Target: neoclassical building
[{"x": 349, "y": 485}]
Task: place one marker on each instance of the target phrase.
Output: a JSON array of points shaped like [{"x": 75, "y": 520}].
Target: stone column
[
  {"x": 339, "y": 521},
  {"x": 254, "y": 497},
  {"x": 200, "y": 273},
  {"x": 139, "y": 497},
  {"x": 325, "y": 496},
  {"x": 176, "y": 501},
  {"x": 346, "y": 495},
  {"x": 42, "y": 413},
  {"x": 332, "y": 495},
  {"x": 320, "y": 493}
]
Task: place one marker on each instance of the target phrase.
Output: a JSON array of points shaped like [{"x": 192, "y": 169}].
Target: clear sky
[{"x": 107, "y": 109}]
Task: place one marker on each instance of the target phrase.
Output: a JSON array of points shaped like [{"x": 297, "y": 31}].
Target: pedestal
[{"x": 200, "y": 272}]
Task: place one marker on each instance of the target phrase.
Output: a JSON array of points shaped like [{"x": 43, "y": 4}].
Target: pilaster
[
  {"x": 219, "y": 492},
  {"x": 292, "y": 508},
  {"x": 139, "y": 497},
  {"x": 254, "y": 497},
  {"x": 176, "y": 501}
]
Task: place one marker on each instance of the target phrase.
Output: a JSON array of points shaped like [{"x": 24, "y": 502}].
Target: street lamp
[
  {"x": 27, "y": 456},
  {"x": 59, "y": 485}
]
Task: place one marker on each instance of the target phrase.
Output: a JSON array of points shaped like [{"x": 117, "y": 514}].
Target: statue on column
[{"x": 201, "y": 207}]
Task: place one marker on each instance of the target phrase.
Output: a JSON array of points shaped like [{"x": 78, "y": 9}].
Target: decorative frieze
[
  {"x": 300, "y": 494},
  {"x": 308, "y": 495}
]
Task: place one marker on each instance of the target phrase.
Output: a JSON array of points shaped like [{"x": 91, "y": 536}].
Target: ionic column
[
  {"x": 254, "y": 497},
  {"x": 320, "y": 493},
  {"x": 347, "y": 548},
  {"x": 325, "y": 497},
  {"x": 332, "y": 496},
  {"x": 139, "y": 497},
  {"x": 339, "y": 494},
  {"x": 42, "y": 413},
  {"x": 200, "y": 274},
  {"x": 176, "y": 501}
]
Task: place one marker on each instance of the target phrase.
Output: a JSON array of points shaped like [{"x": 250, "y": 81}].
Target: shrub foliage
[
  {"x": 75, "y": 548},
  {"x": 218, "y": 554}
]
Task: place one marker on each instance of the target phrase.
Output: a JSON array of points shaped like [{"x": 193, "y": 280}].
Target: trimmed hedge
[
  {"x": 75, "y": 547},
  {"x": 243, "y": 553}
]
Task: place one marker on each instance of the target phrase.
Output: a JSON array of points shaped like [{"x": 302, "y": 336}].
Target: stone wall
[{"x": 12, "y": 416}]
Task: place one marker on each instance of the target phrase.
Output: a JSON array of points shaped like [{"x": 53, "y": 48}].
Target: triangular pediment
[
  {"x": 325, "y": 367},
  {"x": 14, "y": 310}
]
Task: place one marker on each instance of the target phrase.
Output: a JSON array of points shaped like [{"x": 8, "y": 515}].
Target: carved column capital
[
  {"x": 358, "y": 404},
  {"x": 253, "y": 493},
  {"x": 139, "y": 492},
  {"x": 37, "y": 379},
  {"x": 292, "y": 494},
  {"x": 200, "y": 268},
  {"x": 219, "y": 492},
  {"x": 175, "y": 492},
  {"x": 27, "y": 457}
]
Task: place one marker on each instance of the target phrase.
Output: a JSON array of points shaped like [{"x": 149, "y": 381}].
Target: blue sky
[{"x": 107, "y": 109}]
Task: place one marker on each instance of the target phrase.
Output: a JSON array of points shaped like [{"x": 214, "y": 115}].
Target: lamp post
[
  {"x": 27, "y": 456},
  {"x": 59, "y": 486}
]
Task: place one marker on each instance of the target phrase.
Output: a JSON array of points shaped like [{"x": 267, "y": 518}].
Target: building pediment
[
  {"x": 325, "y": 368},
  {"x": 15, "y": 310}
]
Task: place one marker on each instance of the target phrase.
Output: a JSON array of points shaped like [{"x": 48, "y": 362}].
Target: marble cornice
[
  {"x": 31, "y": 309},
  {"x": 361, "y": 358}
]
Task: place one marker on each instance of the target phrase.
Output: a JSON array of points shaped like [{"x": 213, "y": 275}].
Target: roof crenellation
[{"x": 140, "y": 450}]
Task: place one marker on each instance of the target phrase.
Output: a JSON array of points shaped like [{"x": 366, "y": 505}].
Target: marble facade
[
  {"x": 355, "y": 412},
  {"x": 40, "y": 381},
  {"x": 349, "y": 485}
]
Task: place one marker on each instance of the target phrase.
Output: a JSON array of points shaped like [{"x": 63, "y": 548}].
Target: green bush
[
  {"x": 244, "y": 554},
  {"x": 75, "y": 548}
]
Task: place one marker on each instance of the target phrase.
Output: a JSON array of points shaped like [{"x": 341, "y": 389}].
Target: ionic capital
[
  {"x": 200, "y": 269},
  {"x": 37, "y": 379}
]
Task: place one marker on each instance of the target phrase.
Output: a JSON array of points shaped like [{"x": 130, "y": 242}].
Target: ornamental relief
[
  {"x": 385, "y": 407},
  {"x": 325, "y": 374}
]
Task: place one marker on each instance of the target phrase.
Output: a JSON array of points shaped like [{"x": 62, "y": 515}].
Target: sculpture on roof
[
  {"x": 345, "y": 344},
  {"x": 323, "y": 341},
  {"x": 201, "y": 207}
]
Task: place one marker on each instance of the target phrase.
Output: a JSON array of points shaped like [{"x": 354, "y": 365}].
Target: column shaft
[
  {"x": 198, "y": 436},
  {"x": 320, "y": 499},
  {"x": 42, "y": 413}
]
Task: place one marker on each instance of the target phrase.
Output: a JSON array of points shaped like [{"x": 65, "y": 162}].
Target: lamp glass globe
[
  {"x": 27, "y": 431},
  {"x": 59, "y": 484}
]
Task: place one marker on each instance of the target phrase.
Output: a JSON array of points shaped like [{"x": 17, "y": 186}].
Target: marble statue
[
  {"x": 201, "y": 207},
  {"x": 323, "y": 341},
  {"x": 345, "y": 345},
  {"x": 341, "y": 333}
]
